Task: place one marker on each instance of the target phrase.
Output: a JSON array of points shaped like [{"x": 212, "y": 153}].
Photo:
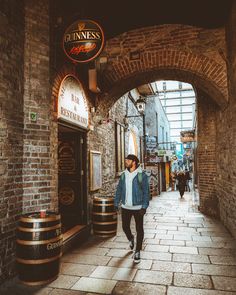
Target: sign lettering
[
  {"x": 83, "y": 41},
  {"x": 72, "y": 104}
]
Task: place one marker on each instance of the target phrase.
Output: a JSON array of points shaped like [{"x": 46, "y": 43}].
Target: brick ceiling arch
[{"x": 175, "y": 52}]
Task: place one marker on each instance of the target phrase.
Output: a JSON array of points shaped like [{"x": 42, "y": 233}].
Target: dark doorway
[
  {"x": 163, "y": 176},
  {"x": 72, "y": 177}
]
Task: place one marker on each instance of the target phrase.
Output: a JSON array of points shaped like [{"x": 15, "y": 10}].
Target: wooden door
[{"x": 72, "y": 180}]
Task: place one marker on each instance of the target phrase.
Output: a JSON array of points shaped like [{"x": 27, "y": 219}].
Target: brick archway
[
  {"x": 175, "y": 52},
  {"x": 178, "y": 52}
]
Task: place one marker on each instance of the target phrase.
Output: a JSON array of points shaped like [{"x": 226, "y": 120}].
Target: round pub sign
[{"x": 83, "y": 41}]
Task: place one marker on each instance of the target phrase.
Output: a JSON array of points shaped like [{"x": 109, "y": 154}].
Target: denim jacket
[{"x": 140, "y": 191}]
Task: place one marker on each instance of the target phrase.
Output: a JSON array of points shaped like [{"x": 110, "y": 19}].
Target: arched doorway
[
  {"x": 132, "y": 146},
  {"x": 162, "y": 57}
]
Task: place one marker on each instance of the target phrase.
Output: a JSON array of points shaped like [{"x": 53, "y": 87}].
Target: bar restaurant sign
[
  {"x": 83, "y": 41},
  {"x": 72, "y": 104}
]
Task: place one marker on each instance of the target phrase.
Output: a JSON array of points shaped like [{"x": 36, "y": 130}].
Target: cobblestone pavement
[{"x": 184, "y": 252}]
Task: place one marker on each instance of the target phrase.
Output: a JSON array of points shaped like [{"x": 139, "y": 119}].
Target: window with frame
[{"x": 120, "y": 147}]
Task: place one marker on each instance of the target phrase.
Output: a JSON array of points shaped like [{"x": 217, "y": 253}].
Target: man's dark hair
[{"x": 133, "y": 158}]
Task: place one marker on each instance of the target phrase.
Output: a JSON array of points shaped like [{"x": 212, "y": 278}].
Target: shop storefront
[{"x": 73, "y": 120}]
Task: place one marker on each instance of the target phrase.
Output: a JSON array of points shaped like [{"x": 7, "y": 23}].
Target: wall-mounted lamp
[
  {"x": 92, "y": 110},
  {"x": 140, "y": 103}
]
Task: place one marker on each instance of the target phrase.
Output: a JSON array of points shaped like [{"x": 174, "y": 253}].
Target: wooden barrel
[
  {"x": 104, "y": 217},
  {"x": 38, "y": 248}
]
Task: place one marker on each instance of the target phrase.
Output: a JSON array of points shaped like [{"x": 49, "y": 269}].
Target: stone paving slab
[
  {"x": 191, "y": 291},
  {"x": 153, "y": 277},
  {"x": 223, "y": 260},
  {"x": 192, "y": 258},
  {"x": 68, "y": 292},
  {"x": 104, "y": 272},
  {"x": 185, "y": 250},
  {"x": 196, "y": 225},
  {"x": 77, "y": 269},
  {"x": 187, "y": 229},
  {"x": 128, "y": 262},
  {"x": 186, "y": 237},
  {"x": 119, "y": 253},
  {"x": 124, "y": 274},
  {"x": 192, "y": 281},
  {"x": 164, "y": 237},
  {"x": 116, "y": 245},
  {"x": 216, "y": 234},
  {"x": 172, "y": 243},
  {"x": 95, "y": 285},
  {"x": 224, "y": 283},
  {"x": 172, "y": 266},
  {"x": 208, "y": 269},
  {"x": 223, "y": 239},
  {"x": 202, "y": 239},
  {"x": 123, "y": 288},
  {"x": 157, "y": 248},
  {"x": 152, "y": 241},
  {"x": 92, "y": 250},
  {"x": 156, "y": 231},
  {"x": 64, "y": 281},
  {"x": 217, "y": 252},
  {"x": 166, "y": 226},
  {"x": 207, "y": 244},
  {"x": 86, "y": 259},
  {"x": 156, "y": 255}
]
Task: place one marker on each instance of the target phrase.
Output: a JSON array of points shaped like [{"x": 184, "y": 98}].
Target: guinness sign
[{"x": 83, "y": 41}]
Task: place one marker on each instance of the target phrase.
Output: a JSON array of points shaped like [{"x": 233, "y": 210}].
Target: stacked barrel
[
  {"x": 38, "y": 248},
  {"x": 104, "y": 217}
]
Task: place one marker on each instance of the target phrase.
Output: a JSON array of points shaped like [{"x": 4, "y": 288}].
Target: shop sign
[
  {"x": 161, "y": 152},
  {"x": 187, "y": 136},
  {"x": 83, "y": 41},
  {"x": 72, "y": 104}
]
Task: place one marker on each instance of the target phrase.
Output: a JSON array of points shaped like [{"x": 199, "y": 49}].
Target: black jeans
[{"x": 126, "y": 216}]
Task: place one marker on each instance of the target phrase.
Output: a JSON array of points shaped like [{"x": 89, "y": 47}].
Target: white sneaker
[{"x": 137, "y": 258}]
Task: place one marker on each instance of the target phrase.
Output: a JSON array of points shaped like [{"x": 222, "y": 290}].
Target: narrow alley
[{"x": 184, "y": 252}]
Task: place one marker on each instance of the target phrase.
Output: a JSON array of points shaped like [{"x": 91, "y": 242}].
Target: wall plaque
[
  {"x": 66, "y": 158},
  {"x": 83, "y": 41},
  {"x": 66, "y": 196},
  {"x": 72, "y": 104}
]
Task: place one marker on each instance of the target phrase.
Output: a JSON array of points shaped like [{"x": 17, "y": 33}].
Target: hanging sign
[
  {"x": 72, "y": 104},
  {"x": 83, "y": 41}
]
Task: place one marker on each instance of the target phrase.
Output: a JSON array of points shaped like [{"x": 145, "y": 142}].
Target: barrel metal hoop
[
  {"x": 98, "y": 213},
  {"x": 39, "y": 282},
  {"x": 38, "y": 261},
  {"x": 102, "y": 205},
  {"x": 111, "y": 222},
  {"x": 46, "y": 219},
  {"x": 104, "y": 232},
  {"x": 103, "y": 199},
  {"x": 26, "y": 229},
  {"x": 30, "y": 243}
]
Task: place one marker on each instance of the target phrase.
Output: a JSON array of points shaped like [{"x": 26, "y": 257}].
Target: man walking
[{"x": 133, "y": 195}]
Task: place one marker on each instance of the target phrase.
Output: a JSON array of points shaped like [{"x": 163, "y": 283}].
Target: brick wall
[
  {"x": 39, "y": 163},
  {"x": 103, "y": 139},
  {"x": 11, "y": 127},
  {"x": 226, "y": 137},
  {"x": 206, "y": 154},
  {"x": 226, "y": 168}
]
